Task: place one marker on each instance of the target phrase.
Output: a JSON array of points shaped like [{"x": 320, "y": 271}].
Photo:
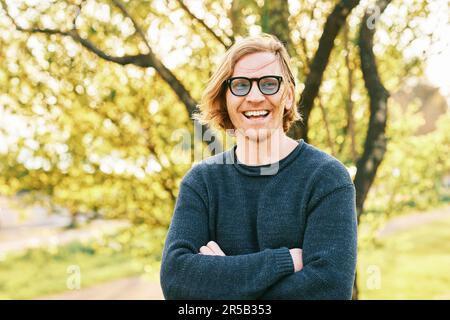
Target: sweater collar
[{"x": 267, "y": 169}]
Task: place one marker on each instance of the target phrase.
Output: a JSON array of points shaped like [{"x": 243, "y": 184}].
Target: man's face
[{"x": 257, "y": 65}]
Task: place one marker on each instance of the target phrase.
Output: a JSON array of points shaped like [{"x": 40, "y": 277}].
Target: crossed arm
[
  {"x": 323, "y": 269},
  {"x": 213, "y": 249},
  {"x": 185, "y": 274}
]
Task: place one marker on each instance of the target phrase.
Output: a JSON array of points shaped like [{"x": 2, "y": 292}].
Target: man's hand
[
  {"x": 212, "y": 249},
  {"x": 297, "y": 258}
]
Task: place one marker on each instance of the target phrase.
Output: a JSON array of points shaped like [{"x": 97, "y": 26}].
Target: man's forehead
[{"x": 256, "y": 61}]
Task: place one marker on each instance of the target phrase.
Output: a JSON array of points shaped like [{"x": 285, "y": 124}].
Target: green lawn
[
  {"x": 39, "y": 272},
  {"x": 412, "y": 264}
]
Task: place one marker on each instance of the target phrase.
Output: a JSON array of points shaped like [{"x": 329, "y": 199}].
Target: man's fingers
[
  {"x": 297, "y": 258},
  {"x": 206, "y": 251},
  {"x": 212, "y": 249},
  {"x": 215, "y": 248}
]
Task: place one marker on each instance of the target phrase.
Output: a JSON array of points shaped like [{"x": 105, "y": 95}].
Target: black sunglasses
[{"x": 241, "y": 86}]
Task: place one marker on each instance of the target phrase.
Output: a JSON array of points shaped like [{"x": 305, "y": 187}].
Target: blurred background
[{"x": 96, "y": 97}]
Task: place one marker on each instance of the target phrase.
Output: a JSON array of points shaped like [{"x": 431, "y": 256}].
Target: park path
[
  {"x": 23, "y": 227},
  {"x": 22, "y": 238},
  {"x": 413, "y": 220},
  {"x": 133, "y": 288}
]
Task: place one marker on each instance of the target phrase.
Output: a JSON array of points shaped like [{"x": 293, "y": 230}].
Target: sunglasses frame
[{"x": 251, "y": 80}]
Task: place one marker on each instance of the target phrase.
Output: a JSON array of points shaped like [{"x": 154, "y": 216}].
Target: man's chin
[{"x": 256, "y": 134}]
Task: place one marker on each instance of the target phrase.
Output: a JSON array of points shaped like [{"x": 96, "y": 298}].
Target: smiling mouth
[{"x": 260, "y": 114}]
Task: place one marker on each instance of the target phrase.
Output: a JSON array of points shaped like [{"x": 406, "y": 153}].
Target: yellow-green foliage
[
  {"x": 98, "y": 136},
  {"x": 410, "y": 176}
]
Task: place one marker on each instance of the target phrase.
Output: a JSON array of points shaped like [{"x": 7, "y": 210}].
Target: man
[{"x": 271, "y": 218}]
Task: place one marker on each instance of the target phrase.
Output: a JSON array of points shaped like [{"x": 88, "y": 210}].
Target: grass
[
  {"x": 410, "y": 264},
  {"x": 40, "y": 272}
]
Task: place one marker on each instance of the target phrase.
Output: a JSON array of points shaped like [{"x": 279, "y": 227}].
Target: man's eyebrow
[{"x": 259, "y": 67}]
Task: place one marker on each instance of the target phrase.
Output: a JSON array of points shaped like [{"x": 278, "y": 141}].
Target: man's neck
[{"x": 266, "y": 149}]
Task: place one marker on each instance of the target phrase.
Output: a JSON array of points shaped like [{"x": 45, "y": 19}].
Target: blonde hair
[{"x": 213, "y": 109}]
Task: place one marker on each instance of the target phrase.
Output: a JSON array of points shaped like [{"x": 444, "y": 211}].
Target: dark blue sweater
[{"x": 256, "y": 214}]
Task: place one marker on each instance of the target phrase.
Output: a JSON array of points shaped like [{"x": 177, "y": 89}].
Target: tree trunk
[
  {"x": 275, "y": 20},
  {"x": 333, "y": 25},
  {"x": 375, "y": 143},
  {"x": 235, "y": 16}
]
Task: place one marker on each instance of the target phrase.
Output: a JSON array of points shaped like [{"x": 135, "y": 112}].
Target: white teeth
[{"x": 256, "y": 113}]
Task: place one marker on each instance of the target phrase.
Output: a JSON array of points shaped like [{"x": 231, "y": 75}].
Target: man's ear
[{"x": 289, "y": 98}]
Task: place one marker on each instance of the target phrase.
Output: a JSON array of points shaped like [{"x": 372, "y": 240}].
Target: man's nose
[{"x": 255, "y": 95}]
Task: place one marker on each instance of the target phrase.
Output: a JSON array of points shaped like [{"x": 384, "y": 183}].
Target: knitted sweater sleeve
[
  {"x": 186, "y": 274},
  {"x": 329, "y": 243}
]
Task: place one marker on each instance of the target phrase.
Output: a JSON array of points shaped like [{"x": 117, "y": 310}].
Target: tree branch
[
  {"x": 137, "y": 27},
  {"x": 333, "y": 25},
  {"x": 77, "y": 14},
  {"x": 275, "y": 20},
  {"x": 375, "y": 143},
  {"x": 350, "y": 119},
  {"x": 204, "y": 25},
  {"x": 303, "y": 39},
  {"x": 140, "y": 60}
]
